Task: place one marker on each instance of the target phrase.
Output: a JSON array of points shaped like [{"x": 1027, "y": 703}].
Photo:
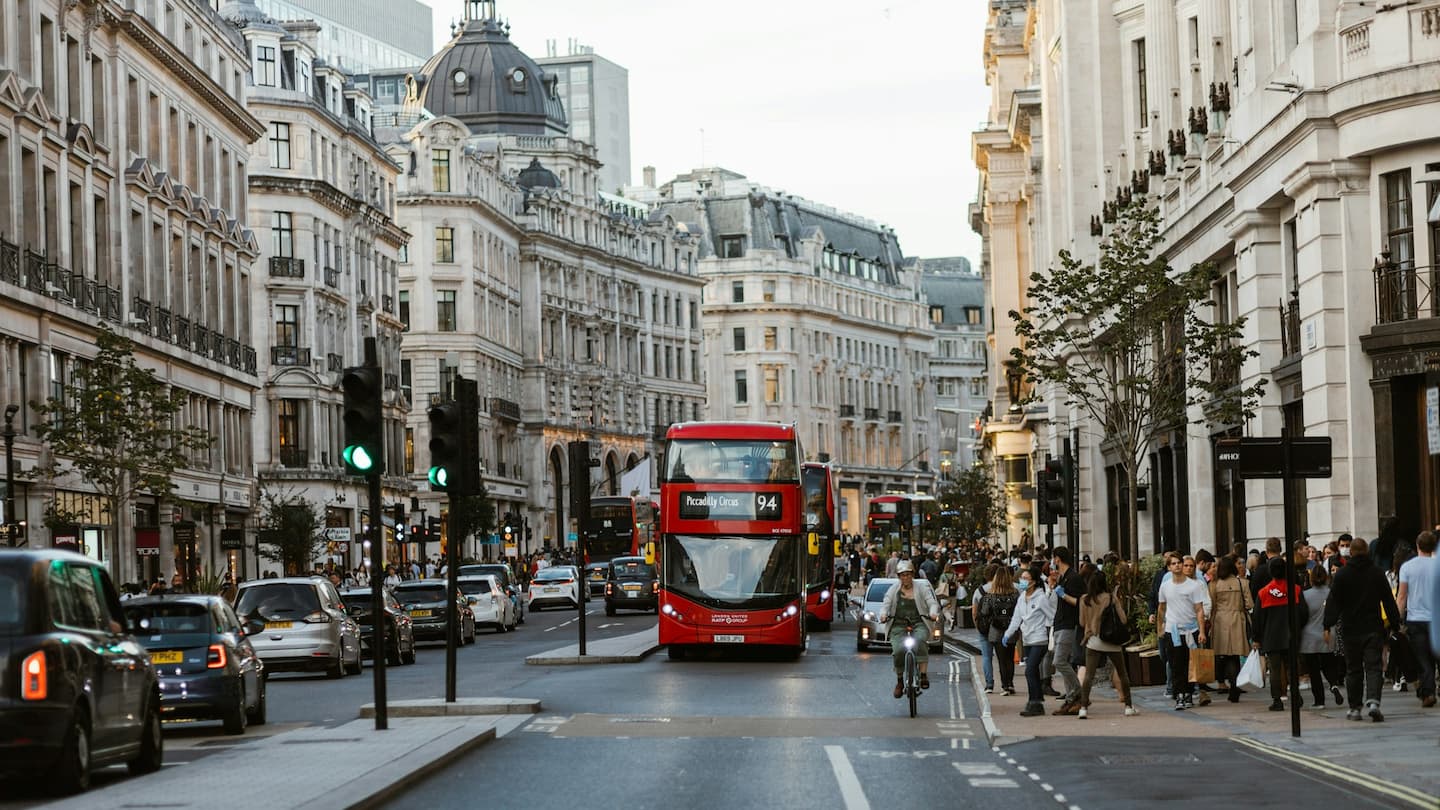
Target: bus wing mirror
[
  {"x": 838, "y": 551},
  {"x": 650, "y": 553},
  {"x": 814, "y": 539}
]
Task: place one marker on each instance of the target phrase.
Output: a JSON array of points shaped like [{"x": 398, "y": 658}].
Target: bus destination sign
[{"x": 730, "y": 505}]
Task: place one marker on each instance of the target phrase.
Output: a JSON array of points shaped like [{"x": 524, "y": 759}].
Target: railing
[
  {"x": 110, "y": 302},
  {"x": 247, "y": 359},
  {"x": 1290, "y": 327},
  {"x": 34, "y": 271},
  {"x": 202, "y": 341},
  {"x": 87, "y": 294},
  {"x": 1404, "y": 292},
  {"x": 233, "y": 353},
  {"x": 9, "y": 262},
  {"x": 892, "y": 416},
  {"x": 287, "y": 267},
  {"x": 58, "y": 282},
  {"x": 333, "y": 362},
  {"x": 182, "y": 332},
  {"x": 162, "y": 324},
  {"x": 217, "y": 346},
  {"x": 140, "y": 314},
  {"x": 847, "y": 411},
  {"x": 872, "y": 414},
  {"x": 332, "y": 277},
  {"x": 387, "y": 303},
  {"x": 505, "y": 409},
  {"x": 500, "y": 469},
  {"x": 289, "y": 356},
  {"x": 1356, "y": 40},
  {"x": 294, "y": 457}
]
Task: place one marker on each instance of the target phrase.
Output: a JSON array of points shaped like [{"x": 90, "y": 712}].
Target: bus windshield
[
  {"x": 733, "y": 571},
  {"x": 611, "y": 529},
  {"x": 740, "y": 461}
]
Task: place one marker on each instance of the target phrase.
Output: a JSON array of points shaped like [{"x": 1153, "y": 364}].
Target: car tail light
[
  {"x": 34, "y": 677},
  {"x": 609, "y": 589},
  {"x": 216, "y": 658},
  {"x": 655, "y": 587},
  {"x": 318, "y": 617}
]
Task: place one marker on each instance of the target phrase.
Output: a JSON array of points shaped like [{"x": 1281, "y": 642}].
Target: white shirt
[
  {"x": 1180, "y": 599},
  {"x": 1033, "y": 616},
  {"x": 1418, "y": 576}
]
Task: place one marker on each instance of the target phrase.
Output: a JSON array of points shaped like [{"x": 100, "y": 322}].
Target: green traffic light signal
[
  {"x": 358, "y": 458},
  {"x": 446, "y": 446},
  {"x": 364, "y": 423}
]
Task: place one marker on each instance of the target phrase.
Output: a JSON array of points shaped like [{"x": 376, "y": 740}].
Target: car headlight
[{"x": 869, "y": 616}]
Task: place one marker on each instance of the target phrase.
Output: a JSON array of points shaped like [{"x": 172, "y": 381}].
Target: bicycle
[{"x": 910, "y": 679}]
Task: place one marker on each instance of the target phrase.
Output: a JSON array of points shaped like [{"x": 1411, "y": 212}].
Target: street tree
[
  {"x": 291, "y": 528},
  {"x": 469, "y": 515},
  {"x": 972, "y": 504},
  {"x": 1134, "y": 345},
  {"x": 117, "y": 427}
]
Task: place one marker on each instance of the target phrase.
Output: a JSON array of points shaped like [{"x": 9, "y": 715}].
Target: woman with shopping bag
[
  {"x": 1271, "y": 628},
  {"x": 1230, "y": 606}
]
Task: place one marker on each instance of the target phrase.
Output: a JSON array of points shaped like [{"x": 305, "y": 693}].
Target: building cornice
[{"x": 332, "y": 198}]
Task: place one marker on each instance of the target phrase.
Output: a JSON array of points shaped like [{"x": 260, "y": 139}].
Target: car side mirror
[{"x": 253, "y": 626}]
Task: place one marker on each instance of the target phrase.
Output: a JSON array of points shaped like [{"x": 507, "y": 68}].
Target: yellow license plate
[
  {"x": 167, "y": 657},
  {"x": 278, "y": 625},
  {"x": 420, "y": 614}
]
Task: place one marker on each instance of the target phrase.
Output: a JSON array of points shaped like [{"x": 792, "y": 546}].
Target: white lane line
[{"x": 850, "y": 789}]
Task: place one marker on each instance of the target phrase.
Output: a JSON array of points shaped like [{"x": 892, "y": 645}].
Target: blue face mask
[{"x": 1023, "y": 585}]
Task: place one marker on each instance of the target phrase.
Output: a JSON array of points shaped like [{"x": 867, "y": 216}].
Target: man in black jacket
[{"x": 1358, "y": 593}]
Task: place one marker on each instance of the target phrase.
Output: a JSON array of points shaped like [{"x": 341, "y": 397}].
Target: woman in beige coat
[{"x": 1230, "y": 610}]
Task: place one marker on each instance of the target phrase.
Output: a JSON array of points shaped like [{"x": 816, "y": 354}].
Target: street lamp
[{"x": 10, "y": 523}]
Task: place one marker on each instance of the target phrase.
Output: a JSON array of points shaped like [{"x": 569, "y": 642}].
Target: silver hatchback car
[
  {"x": 870, "y": 630},
  {"x": 306, "y": 626}
]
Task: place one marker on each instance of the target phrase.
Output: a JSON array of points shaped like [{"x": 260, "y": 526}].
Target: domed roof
[
  {"x": 481, "y": 78},
  {"x": 537, "y": 175}
]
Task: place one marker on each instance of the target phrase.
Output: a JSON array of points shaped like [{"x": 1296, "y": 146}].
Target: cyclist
[{"x": 910, "y": 603}]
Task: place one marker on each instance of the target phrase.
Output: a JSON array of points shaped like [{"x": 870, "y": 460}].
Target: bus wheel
[
  {"x": 819, "y": 626},
  {"x": 677, "y": 652}
]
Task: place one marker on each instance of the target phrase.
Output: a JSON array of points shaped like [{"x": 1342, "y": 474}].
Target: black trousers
[
  {"x": 1364, "y": 674},
  {"x": 1323, "y": 668}
]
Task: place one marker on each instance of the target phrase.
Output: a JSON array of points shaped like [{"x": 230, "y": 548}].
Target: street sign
[
  {"x": 1264, "y": 457},
  {"x": 338, "y": 534},
  {"x": 510, "y": 550},
  {"x": 572, "y": 537},
  {"x": 232, "y": 538}
]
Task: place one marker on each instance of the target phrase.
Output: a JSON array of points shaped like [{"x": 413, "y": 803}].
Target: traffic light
[
  {"x": 364, "y": 451},
  {"x": 400, "y": 523},
  {"x": 1054, "y": 487},
  {"x": 580, "y": 482},
  {"x": 446, "y": 446}
]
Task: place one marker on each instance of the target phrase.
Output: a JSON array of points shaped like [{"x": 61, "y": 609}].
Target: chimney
[{"x": 649, "y": 176}]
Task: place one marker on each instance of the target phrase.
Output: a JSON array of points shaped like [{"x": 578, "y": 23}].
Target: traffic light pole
[{"x": 377, "y": 593}]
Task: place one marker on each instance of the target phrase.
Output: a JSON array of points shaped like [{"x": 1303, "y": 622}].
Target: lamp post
[{"x": 10, "y": 522}]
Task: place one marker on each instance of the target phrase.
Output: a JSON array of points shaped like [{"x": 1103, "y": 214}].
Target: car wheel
[
  {"x": 408, "y": 656},
  {"x": 257, "y": 715},
  {"x": 359, "y": 662},
  {"x": 336, "y": 670},
  {"x": 236, "y": 717},
  {"x": 860, "y": 646},
  {"x": 152, "y": 744},
  {"x": 392, "y": 651},
  {"x": 71, "y": 773}
]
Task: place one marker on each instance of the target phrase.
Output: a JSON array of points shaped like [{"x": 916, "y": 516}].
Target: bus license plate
[{"x": 728, "y": 639}]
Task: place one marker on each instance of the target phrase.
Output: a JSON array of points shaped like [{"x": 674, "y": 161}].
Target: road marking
[
  {"x": 895, "y": 754},
  {"x": 993, "y": 783},
  {"x": 1405, "y": 794},
  {"x": 978, "y": 769},
  {"x": 850, "y": 789}
]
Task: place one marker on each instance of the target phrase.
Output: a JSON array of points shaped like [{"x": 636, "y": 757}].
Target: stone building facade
[
  {"x": 960, "y": 366},
  {"x": 124, "y": 141}
]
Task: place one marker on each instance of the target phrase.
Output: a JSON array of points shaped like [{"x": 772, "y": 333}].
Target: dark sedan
[
  {"x": 596, "y": 574},
  {"x": 207, "y": 666},
  {"x": 424, "y": 601},
  {"x": 399, "y": 627},
  {"x": 77, "y": 691},
  {"x": 631, "y": 585}
]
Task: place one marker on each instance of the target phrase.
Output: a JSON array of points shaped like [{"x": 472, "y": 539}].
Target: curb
[
  {"x": 464, "y": 707},
  {"x": 563, "y": 660},
  {"x": 376, "y": 795},
  {"x": 1408, "y": 795},
  {"x": 977, "y": 677},
  {"x": 633, "y": 649}
]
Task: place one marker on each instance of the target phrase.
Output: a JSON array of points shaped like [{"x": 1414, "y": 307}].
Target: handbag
[
  {"x": 1251, "y": 675},
  {"x": 1202, "y": 665},
  {"x": 943, "y": 589}
]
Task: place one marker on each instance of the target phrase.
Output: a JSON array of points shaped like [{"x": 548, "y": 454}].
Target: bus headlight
[
  {"x": 825, "y": 596},
  {"x": 789, "y": 612},
  {"x": 672, "y": 613}
]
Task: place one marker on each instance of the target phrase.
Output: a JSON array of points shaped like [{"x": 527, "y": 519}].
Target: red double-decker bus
[
  {"x": 891, "y": 520},
  {"x": 819, "y": 482},
  {"x": 733, "y": 547},
  {"x": 617, "y": 527}
]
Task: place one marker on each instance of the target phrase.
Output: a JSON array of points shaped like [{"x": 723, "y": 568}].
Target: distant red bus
[
  {"x": 819, "y": 482},
  {"x": 890, "y": 520},
  {"x": 616, "y": 528},
  {"x": 732, "y": 545}
]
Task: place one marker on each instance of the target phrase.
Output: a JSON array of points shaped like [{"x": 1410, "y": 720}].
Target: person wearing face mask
[{"x": 1034, "y": 613}]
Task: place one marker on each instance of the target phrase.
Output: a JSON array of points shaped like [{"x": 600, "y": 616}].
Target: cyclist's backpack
[
  {"x": 1113, "y": 627},
  {"x": 1002, "y": 609}
]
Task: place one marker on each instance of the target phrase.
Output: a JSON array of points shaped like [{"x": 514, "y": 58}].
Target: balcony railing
[
  {"x": 847, "y": 411},
  {"x": 247, "y": 359},
  {"x": 110, "y": 302},
  {"x": 1404, "y": 292},
  {"x": 34, "y": 271},
  {"x": 332, "y": 277},
  {"x": 217, "y": 346},
  {"x": 162, "y": 324},
  {"x": 872, "y": 414},
  {"x": 140, "y": 314},
  {"x": 289, "y": 355},
  {"x": 202, "y": 341},
  {"x": 500, "y": 469},
  {"x": 1290, "y": 327},
  {"x": 505, "y": 409},
  {"x": 334, "y": 362},
  {"x": 298, "y": 457},
  {"x": 182, "y": 332},
  {"x": 287, "y": 267},
  {"x": 233, "y": 354},
  {"x": 87, "y": 294},
  {"x": 9, "y": 262}
]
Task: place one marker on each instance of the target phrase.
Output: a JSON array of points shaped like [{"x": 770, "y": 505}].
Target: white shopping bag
[{"x": 1252, "y": 675}]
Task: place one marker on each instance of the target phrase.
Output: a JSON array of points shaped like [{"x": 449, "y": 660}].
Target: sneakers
[
  {"x": 1335, "y": 690},
  {"x": 1234, "y": 696},
  {"x": 924, "y": 680},
  {"x": 1401, "y": 686},
  {"x": 1050, "y": 691},
  {"x": 1277, "y": 706},
  {"x": 1373, "y": 710},
  {"x": 1009, "y": 691},
  {"x": 1131, "y": 711},
  {"x": 899, "y": 689},
  {"x": 1082, "y": 714},
  {"x": 1353, "y": 714},
  {"x": 1205, "y": 698},
  {"x": 989, "y": 690},
  {"x": 1180, "y": 704},
  {"x": 1428, "y": 703},
  {"x": 1033, "y": 710}
]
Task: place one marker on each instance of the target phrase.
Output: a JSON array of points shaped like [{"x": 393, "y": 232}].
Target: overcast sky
[{"x": 865, "y": 106}]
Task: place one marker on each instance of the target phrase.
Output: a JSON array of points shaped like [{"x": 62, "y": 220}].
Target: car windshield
[
  {"x": 471, "y": 587},
  {"x": 278, "y": 600},
  {"x": 877, "y": 591},
  {"x": 734, "y": 571},
  {"x": 549, "y": 574},
  {"x": 12, "y": 601},
  {"x": 420, "y": 593},
  {"x": 634, "y": 570},
  {"x": 731, "y": 461}
]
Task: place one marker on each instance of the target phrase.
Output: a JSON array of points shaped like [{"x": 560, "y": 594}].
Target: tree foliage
[
  {"x": 116, "y": 426},
  {"x": 292, "y": 529},
  {"x": 1134, "y": 345},
  {"x": 972, "y": 504},
  {"x": 469, "y": 516}
]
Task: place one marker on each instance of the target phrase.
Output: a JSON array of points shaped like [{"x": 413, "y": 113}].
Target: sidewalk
[
  {"x": 628, "y": 649},
  {"x": 344, "y": 768},
  {"x": 1401, "y": 752}
]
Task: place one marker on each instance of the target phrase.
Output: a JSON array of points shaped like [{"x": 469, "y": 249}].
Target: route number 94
[{"x": 767, "y": 505}]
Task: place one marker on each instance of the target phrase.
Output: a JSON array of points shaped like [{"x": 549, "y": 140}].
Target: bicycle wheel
[{"x": 912, "y": 686}]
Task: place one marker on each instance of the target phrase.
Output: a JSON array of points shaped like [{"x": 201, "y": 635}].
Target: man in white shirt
[
  {"x": 1180, "y": 611},
  {"x": 1417, "y": 584}
]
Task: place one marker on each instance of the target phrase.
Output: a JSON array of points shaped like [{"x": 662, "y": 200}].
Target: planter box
[{"x": 1145, "y": 668}]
